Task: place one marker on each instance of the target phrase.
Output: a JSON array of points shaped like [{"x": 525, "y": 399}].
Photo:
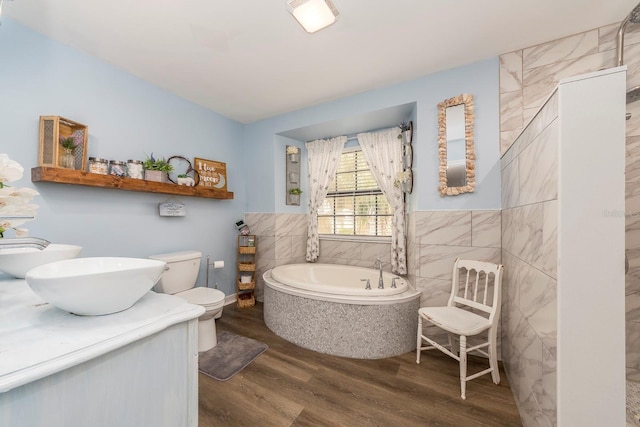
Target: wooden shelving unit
[
  {"x": 246, "y": 268},
  {"x": 77, "y": 177}
]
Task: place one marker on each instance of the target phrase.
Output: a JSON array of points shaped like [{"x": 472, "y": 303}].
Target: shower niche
[{"x": 293, "y": 175}]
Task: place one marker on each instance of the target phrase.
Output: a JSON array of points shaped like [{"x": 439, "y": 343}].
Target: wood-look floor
[{"x": 292, "y": 386}]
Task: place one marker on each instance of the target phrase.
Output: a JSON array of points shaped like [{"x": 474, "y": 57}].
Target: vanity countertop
[{"x": 38, "y": 339}]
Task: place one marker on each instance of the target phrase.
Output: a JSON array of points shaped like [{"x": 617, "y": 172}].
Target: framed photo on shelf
[{"x": 212, "y": 174}]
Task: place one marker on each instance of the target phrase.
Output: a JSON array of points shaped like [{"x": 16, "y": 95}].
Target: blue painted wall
[
  {"x": 265, "y": 150},
  {"x": 127, "y": 119}
]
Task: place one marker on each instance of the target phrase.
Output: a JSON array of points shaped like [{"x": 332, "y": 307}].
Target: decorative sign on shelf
[
  {"x": 212, "y": 174},
  {"x": 172, "y": 207}
]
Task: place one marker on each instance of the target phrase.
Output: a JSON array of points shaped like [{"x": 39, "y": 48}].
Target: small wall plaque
[{"x": 172, "y": 207}]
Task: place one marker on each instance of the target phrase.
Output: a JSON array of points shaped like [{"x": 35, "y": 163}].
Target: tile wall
[
  {"x": 435, "y": 239},
  {"x": 527, "y": 77},
  {"x": 529, "y": 254}
]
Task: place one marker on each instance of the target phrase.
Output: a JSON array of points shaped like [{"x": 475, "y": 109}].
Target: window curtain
[
  {"x": 323, "y": 156},
  {"x": 383, "y": 152}
]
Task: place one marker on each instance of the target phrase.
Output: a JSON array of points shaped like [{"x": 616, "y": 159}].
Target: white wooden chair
[{"x": 473, "y": 307}]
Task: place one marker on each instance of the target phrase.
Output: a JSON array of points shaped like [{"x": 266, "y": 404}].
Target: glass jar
[
  {"x": 98, "y": 165},
  {"x": 117, "y": 168},
  {"x": 134, "y": 169}
]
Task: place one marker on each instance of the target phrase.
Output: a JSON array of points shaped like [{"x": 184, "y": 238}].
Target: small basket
[
  {"x": 246, "y": 286},
  {"x": 246, "y": 302},
  {"x": 247, "y": 249},
  {"x": 246, "y": 266}
]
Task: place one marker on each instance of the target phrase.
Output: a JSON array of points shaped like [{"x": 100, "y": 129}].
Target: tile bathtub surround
[
  {"x": 282, "y": 239},
  {"x": 435, "y": 239}
]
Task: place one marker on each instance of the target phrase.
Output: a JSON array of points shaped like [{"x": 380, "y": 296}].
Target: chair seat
[{"x": 455, "y": 320}]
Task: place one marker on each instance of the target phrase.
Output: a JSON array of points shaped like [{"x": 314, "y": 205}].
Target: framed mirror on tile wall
[{"x": 456, "y": 148}]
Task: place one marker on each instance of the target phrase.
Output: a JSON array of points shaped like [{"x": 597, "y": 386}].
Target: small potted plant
[
  {"x": 184, "y": 179},
  {"x": 69, "y": 143},
  {"x": 294, "y": 196},
  {"x": 156, "y": 169},
  {"x": 405, "y": 132},
  {"x": 294, "y": 153}
]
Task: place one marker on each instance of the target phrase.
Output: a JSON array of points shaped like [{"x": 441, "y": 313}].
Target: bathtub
[{"x": 326, "y": 308}]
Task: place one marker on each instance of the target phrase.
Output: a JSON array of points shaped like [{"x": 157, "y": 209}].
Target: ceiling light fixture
[{"x": 313, "y": 15}]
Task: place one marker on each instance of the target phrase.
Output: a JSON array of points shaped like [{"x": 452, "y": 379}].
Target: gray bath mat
[{"x": 230, "y": 356}]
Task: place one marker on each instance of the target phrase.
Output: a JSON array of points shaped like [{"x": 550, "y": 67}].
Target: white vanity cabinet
[{"x": 133, "y": 368}]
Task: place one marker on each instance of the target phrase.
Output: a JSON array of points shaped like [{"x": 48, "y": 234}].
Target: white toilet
[{"x": 179, "y": 279}]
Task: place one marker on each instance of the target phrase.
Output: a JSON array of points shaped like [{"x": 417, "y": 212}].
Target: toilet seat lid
[{"x": 202, "y": 296}]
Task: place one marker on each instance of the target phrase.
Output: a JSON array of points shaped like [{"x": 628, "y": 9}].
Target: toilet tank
[{"x": 181, "y": 273}]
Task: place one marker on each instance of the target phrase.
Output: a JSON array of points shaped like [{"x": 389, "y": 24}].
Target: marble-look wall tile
[
  {"x": 411, "y": 227},
  {"x": 548, "y": 261},
  {"x": 632, "y": 211},
  {"x": 632, "y": 165},
  {"x": 511, "y": 72},
  {"x": 262, "y": 265},
  {"x": 538, "y": 167},
  {"x": 444, "y": 228},
  {"x": 507, "y": 138},
  {"x": 261, "y": 224},
  {"x": 291, "y": 224},
  {"x": 632, "y": 307},
  {"x": 265, "y": 247},
  {"x": 340, "y": 249},
  {"x": 632, "y": 278},
  {"x": 632, "y": 343},
  {"x": 559, "y": 50},
  {"x": 511, "y": 110},
  {"x": 633, "y": 374},
  {"x": 486, "y": 229},
  {"x": 632, "y": 61},
  {"x": 529, "y": 347},
  {"x": 528, "y": 114},
  {"x": 538, "y": 304},
  {"x": 511, "y": 281},
  {"x": 413, "y": 251},
  {"x": 522, "y": 231},
  {"x": 299, "y": 246},
  {"x": 435, "y": 292},
  {"x": 547, "y": 394},
  {"x": 371, "y": 251},
  {"x": 283, "y": 247},
  {"x": 539, "y": 82},
  {"x": 608, "y": 36},
  {"x": 633, "y": 124},
  {"x": 436, "y": 261}
]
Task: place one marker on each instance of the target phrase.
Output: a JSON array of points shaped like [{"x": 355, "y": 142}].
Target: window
[{"x": 355, "y": 205}]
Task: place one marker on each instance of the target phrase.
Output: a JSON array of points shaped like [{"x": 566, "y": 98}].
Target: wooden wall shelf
[{"x": 77, "y": 177}]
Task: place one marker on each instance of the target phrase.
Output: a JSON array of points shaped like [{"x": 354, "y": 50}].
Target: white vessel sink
[
  {"x": 17, "y": 261},
  {"x": 95, "y": 286}
]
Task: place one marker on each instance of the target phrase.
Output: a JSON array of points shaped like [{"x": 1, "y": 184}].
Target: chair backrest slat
[{"x": 487, "y": 299}]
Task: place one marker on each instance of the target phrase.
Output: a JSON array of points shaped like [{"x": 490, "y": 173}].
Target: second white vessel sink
[{"x": 95, "y": 286}]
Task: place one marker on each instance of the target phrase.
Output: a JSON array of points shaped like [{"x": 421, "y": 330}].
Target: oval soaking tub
[{"x": 326, "y": 308}]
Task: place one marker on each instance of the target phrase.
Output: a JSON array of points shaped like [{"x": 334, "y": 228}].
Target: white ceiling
[{"x": 249, "y": 59}]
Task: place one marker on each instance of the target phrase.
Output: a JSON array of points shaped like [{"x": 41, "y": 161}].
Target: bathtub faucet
[
  {"x": 368, "y": 285},
  {"x": 378, "y": 265}
]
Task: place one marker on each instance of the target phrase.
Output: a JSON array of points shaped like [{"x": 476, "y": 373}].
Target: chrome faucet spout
[
  {"x": 23, "y": 242},
  {"x": 378, "y": 265}
]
